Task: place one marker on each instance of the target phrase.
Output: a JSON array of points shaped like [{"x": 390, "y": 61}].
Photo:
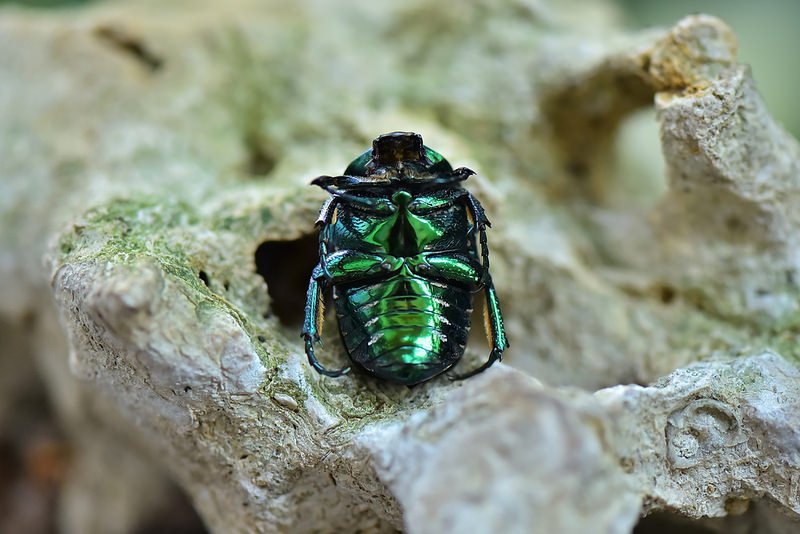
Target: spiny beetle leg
[
  {"x": 312, "y": 327},
  {"x": 494, "y": 330},
  {"x": 312, "y": 359}
]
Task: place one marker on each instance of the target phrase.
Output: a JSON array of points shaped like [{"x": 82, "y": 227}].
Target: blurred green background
[{"x": 769, "y": 40}]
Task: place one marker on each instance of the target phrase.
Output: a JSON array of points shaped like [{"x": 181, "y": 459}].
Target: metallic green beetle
[{"x": 398, "y": 246}]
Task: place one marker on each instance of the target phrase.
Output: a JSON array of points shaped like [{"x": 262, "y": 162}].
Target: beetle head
[
  {"x": 398, "y": 156},
  {"x": 398, "y": 147}
]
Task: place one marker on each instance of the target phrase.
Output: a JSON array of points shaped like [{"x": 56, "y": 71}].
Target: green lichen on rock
[
  {"x": 123, "y": 230},
  {"x": 163, "y": 234}
]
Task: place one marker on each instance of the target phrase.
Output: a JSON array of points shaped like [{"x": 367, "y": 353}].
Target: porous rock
[{"x": 165, "y": 168}]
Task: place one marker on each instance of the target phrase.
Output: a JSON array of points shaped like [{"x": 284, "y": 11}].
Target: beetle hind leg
[
  {"x": 494, "y": 356},
  {"x": 318, "y": 367},
  {"x": 495, "y": 331},
  {"x": 312, "y": 325}
]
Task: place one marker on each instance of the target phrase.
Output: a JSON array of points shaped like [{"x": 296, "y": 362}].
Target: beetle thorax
[{"x": 405, "y": 234}]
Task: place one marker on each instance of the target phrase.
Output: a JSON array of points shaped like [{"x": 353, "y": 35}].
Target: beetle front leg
[
  {"x": 495, "y": 330},
  {"x": 312, "y": 323},
  {"x": 481, "y": 223}
]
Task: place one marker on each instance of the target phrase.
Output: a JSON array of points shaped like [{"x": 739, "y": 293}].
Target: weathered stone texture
[{"x": 150, "y": 151}]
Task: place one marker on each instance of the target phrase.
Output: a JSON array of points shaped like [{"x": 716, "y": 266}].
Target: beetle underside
[{"x": 404, "y": 247}]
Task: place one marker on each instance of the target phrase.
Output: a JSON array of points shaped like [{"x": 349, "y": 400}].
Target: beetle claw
[
  {"x": 333, "y": 373},
  {"x": 312, "y": 359},
  {"x": 495, "y": 356}
]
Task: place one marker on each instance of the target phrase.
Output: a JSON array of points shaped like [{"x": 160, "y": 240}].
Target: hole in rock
[
  {"x": 667, "y": 523},
  {"x": 639, "y": 171},
  {"x": 286, "y": 267},
  {"x": 586, "y": 131},
  {"x": 667, "y": 294},
  {"x": 735, "y": 224},
  {"x": 175, "y": 516},
  {"x": 260, "y": 159},
  {"x": 130, "y": 44},
  {"x": 203, "y": 276},
  {"x": 578, "y": 170}
]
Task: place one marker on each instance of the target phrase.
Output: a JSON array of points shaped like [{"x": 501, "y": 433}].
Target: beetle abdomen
[{"x": 406, "y": 328}]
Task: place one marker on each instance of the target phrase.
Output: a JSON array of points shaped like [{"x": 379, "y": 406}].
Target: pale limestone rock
[
  {"x": 713, "y": 436},
  {"x": 502, "y": 440},
  {"x": 192, "y": 136}
]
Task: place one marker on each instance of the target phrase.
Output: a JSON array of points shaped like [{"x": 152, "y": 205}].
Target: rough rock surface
[{"x": 163, "y": 170}]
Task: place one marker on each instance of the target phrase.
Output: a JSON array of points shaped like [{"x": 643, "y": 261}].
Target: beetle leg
[
  {"x": 495, "y": 330},
  {"x": 345, "y": 266},
  {"x": 312, "y": 323},
  {"x": 494, "y": 356},
  {"x": 449, "y": 266},
  {"x": 481, "y": 222},
  {"x": 493, "y": 318},
  {"x": 326, "y": 212},
  {"x": 428, "y": 202},
  {"x": 370, "y": 204}
]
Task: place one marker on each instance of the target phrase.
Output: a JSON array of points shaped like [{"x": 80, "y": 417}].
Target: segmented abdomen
[{"x": 406, "y": 328}]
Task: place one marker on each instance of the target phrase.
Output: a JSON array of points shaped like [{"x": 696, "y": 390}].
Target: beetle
[{"x": 399, "y": 245}]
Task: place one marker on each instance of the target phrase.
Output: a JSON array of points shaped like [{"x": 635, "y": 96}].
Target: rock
[
  {"x": 164, "y": 174},
  {"x": 503, "y": 454},
  {"x": 708, "y": 435}
]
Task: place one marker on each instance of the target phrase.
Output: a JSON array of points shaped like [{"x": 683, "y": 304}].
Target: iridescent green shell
[{"x": 399, "y": 245}]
